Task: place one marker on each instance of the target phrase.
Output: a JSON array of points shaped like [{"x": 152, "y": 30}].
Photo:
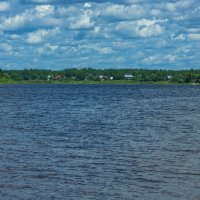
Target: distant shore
[
  {"x": 95, "y": 82},
  {"x": 100, "y": 76}
]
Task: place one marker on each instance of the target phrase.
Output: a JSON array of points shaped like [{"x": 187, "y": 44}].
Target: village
[{"x": 103, "y": 75}]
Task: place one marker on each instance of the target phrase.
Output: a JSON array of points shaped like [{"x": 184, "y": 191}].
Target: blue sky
[{"x": 59, "y": 34}]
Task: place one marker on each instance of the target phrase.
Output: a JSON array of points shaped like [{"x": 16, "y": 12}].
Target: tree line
[{"x": 90, "y": 74}]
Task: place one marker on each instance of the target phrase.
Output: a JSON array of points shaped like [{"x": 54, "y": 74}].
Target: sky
[{"x": 60, "y": 34}]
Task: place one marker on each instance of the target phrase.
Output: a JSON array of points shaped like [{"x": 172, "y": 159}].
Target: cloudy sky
[{"x": 58, "y": 34}]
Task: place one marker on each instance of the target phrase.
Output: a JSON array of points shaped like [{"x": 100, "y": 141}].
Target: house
[
  {"x": 169, "y": 77},
  {"x": 102, "y": 77},
  {"x": 57, "y": 77},
  {"x": 49, "y": 77},
  {"x": 128, "y": 76}
]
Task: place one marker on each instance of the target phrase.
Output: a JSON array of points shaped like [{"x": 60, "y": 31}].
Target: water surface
[{"x": 99, "y": 142}]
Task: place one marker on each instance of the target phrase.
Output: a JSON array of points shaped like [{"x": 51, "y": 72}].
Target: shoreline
[{"x": 117, "y": 82}]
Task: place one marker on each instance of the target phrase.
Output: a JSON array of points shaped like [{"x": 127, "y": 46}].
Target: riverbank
[
  {"x": 100, "y": 76},
  {"x": 93, "y": 82}
]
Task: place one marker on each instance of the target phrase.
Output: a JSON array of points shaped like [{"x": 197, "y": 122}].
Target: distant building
[
  {"x": 169, "y": 77},
  {"x": 111, "y": 78},
  {"x": 58, "y": 77},
  {"x": 102, "y": 77},
  {"x": 49, "y": 77},
  {"x": 128, "y": 76}
]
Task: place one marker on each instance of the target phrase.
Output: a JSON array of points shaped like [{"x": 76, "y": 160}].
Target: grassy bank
[
  {"x": 10, "y": 81},
  {"x": 100, "y": 76}
]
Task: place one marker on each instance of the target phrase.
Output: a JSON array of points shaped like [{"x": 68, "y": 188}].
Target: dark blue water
[{"x": 80, "y": 142}]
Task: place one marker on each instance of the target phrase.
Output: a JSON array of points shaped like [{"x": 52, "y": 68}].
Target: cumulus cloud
[
  {"x": 170, "y": 6},
  {"x": 174, "y": 6},
  {"x": 194, "y": 30},
  {"x": 134, "y": 1},
  {"x": 124, "y": 12},
  {"x": 158, "y": 59},
  {"x": 41, "y": 1},
  {"x": 83, "y": 21},
  {"x": 37, "y": 37},
  {"x": 47, "y": 49},
  {"x": 6, "y": 48},
  {"x": 40, "y": 15},
  {"x": 184, "y": 4},
  {"x": 14, "y": 37},
  {"x": 87, "y": 5},
  {"x": 155, "y": 12},
  {"x": 4, "y": 6},
  {"x": 141, "y": 28},
  {"x": 41, "y": 35},
  {"x": 178, "y": 37},
  {"x": 132, "y": 30},
  {"x": 194, "y": 36},
  {"x": 16, "y": 22},
  {"x": 105, "y": 50},
  {"x": 49, "y": 16},
  {"x": 44, "y": 10}
]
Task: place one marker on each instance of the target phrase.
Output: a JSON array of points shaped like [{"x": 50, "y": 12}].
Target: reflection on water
[{"x": 99, "y": 142}]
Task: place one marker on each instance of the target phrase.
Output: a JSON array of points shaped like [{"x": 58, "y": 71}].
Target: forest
[{"x": 100, "y": 75}]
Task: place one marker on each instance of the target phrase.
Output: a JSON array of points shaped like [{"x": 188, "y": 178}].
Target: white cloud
[
  {"x": 41, "y": 50},
  {"x": 170, "y": 7},
  {"x": 67, "y": 11},
  {"x": 184, "y": 4},
  {"x": 158, "y": 59},
  {"x": 161, "y": 43},
  {"x": 98, "y": 48},
  {"x": 44, "y": 10},
  {"x": 6, "y": 48},
  {"x": 52, "y": 47},
  {"x": 180, "y": 17},
  {"x": 170, "y": 58},
  {"x": 41, "y": 1},
  {"x": 119, "y": 29},
  {"x": 96, "y": 29},
  {"x": 87, "y": 5},
  {"x": 133, "y": 1},
  {"x": 49, "y": 16},
  {"x": 123, "y": 45},
  {"x": 173, "y": 7},
  {"x": 15, "y": 37},
  {"x": 142, "y": 28},
  {"x": 16, "y": 22},
  {"x": 105, "y": 50},
  {"x": 122, "y": 11},
  {"x": 100, "y": 32},
  {"x": 40, "y": 35},
  {"x": 81, "y": 22},
  {"x": 178, "y": 37},
  {"x": 151, "y": 59},
  {"x": 47, "y": 49},
  {"x": 4, "y": 6},
  {"x": 40, "y": 15},
  {"x": 194, "y": 30},
  {"x": 37, "y": 37},
  {"x": 194, "y": 36},
  {"x": 155, "y": 12}
]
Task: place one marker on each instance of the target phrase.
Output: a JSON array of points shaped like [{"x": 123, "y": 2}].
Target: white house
[
  {"x": 128, "y": 76},
  {"x": 169, "y": 77}
]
